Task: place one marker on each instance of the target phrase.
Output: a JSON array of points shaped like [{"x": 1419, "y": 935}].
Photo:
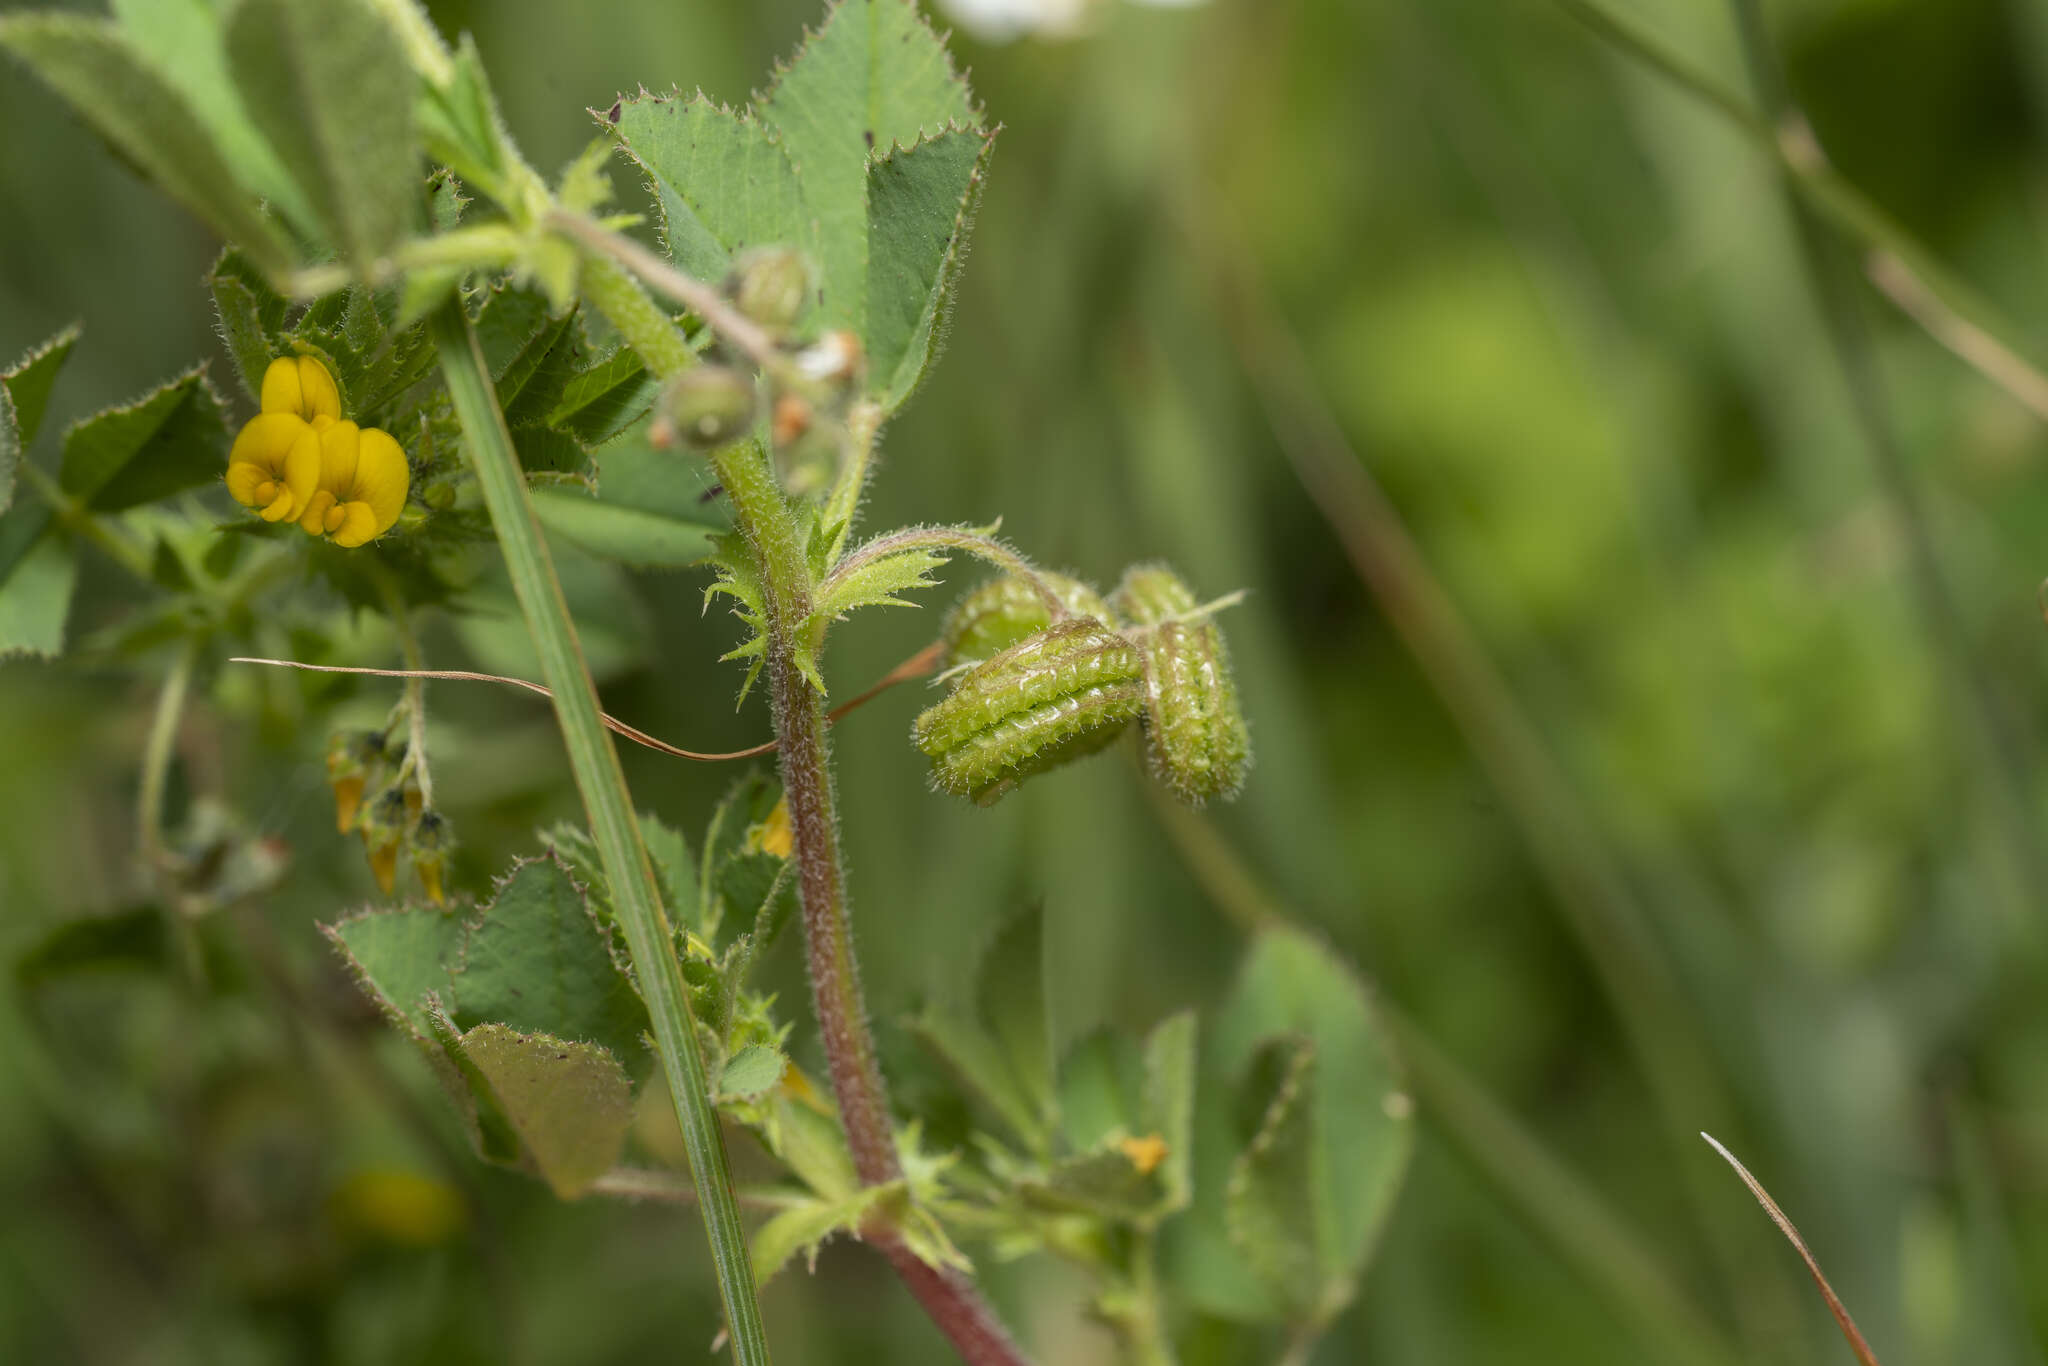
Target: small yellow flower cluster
[{"x": 298, "y": 461}]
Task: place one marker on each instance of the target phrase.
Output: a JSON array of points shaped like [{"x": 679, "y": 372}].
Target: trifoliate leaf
[
  {"x": 35, "y": 587},
  {"x": 169, "y": 440},
  {"x": 1010, "y": 996},
  {"x": 330, "y": 86},
  {"x": 536, "y": 960},
  {"x": 569, "y": 1103},
  {"x": 873, "y": 76},
  {"x": 1167, "y": 1107},
  {"x": 674, "y": 870},
  {"x": 533, "y": 380}
]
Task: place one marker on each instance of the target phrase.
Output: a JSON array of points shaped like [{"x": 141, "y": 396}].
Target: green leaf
[
  {"x": 460, "y": 127},
  {"x": 749, "y": 1073},
  {"x": 29, "y": 380},
  {"x": 720, "y": 179},
  {"x": 874, "y": 75},
  {"x": 116, "y": 89},
  {"x": 921, "y": 198},
  {"x": 606, "y": 398},
  {"x": 570, "y": 1103},
  {"x": 644, "y": 540},
  {"x": 10, "y": 449},
  {"x": 182, "y": 40},
  {"x": 1271, "y": 1201},
  {"x": 806, "y": 1227},
  {"x": 1168, "y": 1104},
  {"x": 673, "y": 867},
  {"x": 329, "y": 84},
  {"x": 35, "y": 585},
  {"x": 1343, "y": 1130},
  {"x": 543, "y": 450},
  {"x": 533, "y": 380},
  {"x": 400, "y": 958},
  {"x": 169, "y": 440},
  {"x": 538, "y": 961},
  {"x": 248, "y": 313}
]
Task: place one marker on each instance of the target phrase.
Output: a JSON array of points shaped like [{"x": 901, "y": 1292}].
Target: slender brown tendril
[{"x": 918, "y": 665}]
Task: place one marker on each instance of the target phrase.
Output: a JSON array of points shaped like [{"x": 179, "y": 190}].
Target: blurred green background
[{"x": 1558, "y": 310}]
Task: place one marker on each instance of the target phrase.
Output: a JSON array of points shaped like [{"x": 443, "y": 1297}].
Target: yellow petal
[
  {"x": 265, "y": 441},
  {"x": 281, "y": 392},
  {"x": 358, "y": 525},
  {"x": 302, "y": 468},
  {"x": 244, "y": 479},
  {"x": 339, "y": 444},
  {"x": 382, "y": 477},
  {"x": 314, "y": 520},
  {"x": 318, "y": 396}
]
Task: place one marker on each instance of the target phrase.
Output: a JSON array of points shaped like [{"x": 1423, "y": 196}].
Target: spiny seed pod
[
  {"x": 1003, "y": 611},
  {"x": 1195, "y": 737},
  {"x": 1051, "y": 698},
  {"x": 771, "y": 285},
  {"x": 705, "y": 407}
]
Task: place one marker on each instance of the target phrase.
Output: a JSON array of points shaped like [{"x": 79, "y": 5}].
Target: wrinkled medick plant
[{"x": 447, "y": 360}]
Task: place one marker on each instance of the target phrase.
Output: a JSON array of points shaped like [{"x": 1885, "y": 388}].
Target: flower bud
[
  {"x": 1195, "y": 737},
  {"x": 1003, "y": 611},
  {"x": 706, "y": 406},
  {"x": 1053, "y": 697},
  {"x": 771, "y": 285}
]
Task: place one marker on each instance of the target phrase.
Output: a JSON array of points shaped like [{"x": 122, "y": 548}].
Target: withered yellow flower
[
  {"x": 298, "y": 461},
  {"x": 361, "y": 485}
]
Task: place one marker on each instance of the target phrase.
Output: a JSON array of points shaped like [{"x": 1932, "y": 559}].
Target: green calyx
[
  {"x": 1195, "y": 737},
  {"x": 1056, "y": 696},
  {"x": 1005, "y": 610}
]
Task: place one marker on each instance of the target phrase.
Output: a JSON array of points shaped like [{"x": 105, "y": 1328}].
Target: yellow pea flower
[
  {"x": 274, "y": 465},
  {"x": 361, "y": 486},
  {"x": 302, "y": 386}
]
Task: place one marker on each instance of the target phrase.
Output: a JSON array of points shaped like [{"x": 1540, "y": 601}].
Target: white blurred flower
[{"x": 1002, "y": 20}]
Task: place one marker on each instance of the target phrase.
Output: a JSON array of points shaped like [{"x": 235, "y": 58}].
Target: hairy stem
[
  {"x": 609, "y": 805},
  {"x": 764, "y": 518}
]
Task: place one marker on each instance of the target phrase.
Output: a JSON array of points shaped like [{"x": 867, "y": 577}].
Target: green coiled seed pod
[
  {"x": 1003, "y": 611},
  {"x": 1066, "y": 692},
  {"x": 1195, "y": 737}
]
